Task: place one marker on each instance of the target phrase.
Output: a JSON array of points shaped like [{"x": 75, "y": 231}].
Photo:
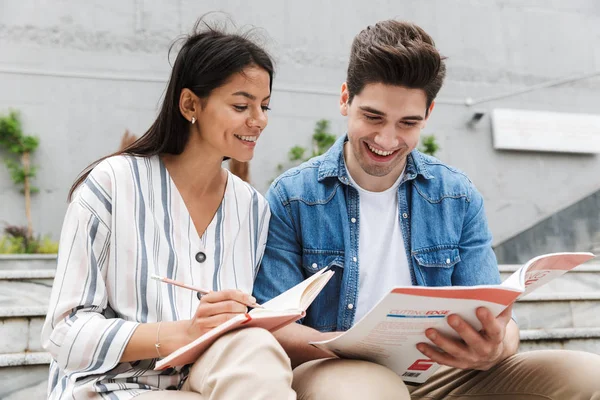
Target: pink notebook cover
[{"x": 189, "y": 354}]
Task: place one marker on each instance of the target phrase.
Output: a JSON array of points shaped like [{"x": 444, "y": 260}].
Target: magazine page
[
  {"x": 389, "y": 333},
  {"x": 541, "y": 270}
]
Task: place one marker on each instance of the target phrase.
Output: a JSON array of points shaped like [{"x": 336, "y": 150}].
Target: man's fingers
[
  {"x": 506, "y": 315},
  {"x": 439, "y": 357},
  {"x": 493, "y": 328},
  {"x": 448, "y": 345},
  {"x": 473, "y": 339}
]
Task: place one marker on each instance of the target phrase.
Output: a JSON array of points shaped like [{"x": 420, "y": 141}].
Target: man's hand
[{"x": 497, "y": 340}]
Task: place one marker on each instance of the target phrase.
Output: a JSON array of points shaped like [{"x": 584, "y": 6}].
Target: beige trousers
[
  {"x": 536, "y": 375},
  {"x": 247, "y": 364}
]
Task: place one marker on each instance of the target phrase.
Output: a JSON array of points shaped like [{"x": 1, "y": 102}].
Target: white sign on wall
[{"x": 546, "y": 131}]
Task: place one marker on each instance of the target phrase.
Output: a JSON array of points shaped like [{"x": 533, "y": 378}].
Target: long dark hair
[{"x": 207, "y": 58}]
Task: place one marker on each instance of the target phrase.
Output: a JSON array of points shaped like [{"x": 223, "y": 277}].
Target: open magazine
[
  {"x": 278, "y": 312},
  {"x": 389, "y": 333}
]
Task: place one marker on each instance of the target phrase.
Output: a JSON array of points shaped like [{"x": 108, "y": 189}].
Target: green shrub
[
  {"x": 16, "y": 241},
  {"x": 429, "y": 145},
  {"x": 321, "y": 141}
]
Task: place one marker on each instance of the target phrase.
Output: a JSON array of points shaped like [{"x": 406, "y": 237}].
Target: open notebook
[{"x": 278, "y": 312}]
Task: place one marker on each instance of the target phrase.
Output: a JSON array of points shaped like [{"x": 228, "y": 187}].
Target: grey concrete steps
[
  {"x": 27, "y": 262},
  {"x": 24, "y": 293},
  {"x": 21, "y": 359},
  {"x": 565, "y": 333},
  {"x": 23, "y": 382},
  {"x": 583, "y": 339},
  {"x": 568, "y": 302},
  {"x": 27, "y": 274},
  {"x": 25, "y": 286},
  {"x": 24, "y": 376},
  {"x": 590, "y": 266},
  {"x": 20, "y": 334}
]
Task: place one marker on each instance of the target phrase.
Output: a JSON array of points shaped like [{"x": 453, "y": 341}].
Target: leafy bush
[
  {"x": 20, "y": 147},
  {"x": 322, "y": 140},
  {"x": 429, "y": 145},
  {"x": 16, "y": 241}
]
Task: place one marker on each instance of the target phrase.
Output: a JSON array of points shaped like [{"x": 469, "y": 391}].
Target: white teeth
[
  {"x": 379, "y": 152},
  {"x": 247, "y": 138}
]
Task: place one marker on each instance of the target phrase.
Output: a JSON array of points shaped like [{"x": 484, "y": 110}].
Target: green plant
[
  {"x": 20, "y": 146},
  {"x": 429, "y": 145},
  {"x": 47, "y": 246},
  {"x": 16, "y": 241},
  {"x": 11, "y": 245},
  {"x": 321, "y": 141}
]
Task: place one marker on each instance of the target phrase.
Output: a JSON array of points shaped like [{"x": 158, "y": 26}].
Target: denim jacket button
[
  {"x": 405, "y": 215},
  {"x": 353, "y": 220},
  {"x": 315, "y": 266},
  {"x": 448, "y": 261},
  {"x": 354, "y": 259},
  {"x": 350, "y": 306}
]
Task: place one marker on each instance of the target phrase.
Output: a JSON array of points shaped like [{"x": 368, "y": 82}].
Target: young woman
[{"x": 165, "y": 206}]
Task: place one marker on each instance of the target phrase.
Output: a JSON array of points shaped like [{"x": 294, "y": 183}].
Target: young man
[{"x": 382, "y": 214}]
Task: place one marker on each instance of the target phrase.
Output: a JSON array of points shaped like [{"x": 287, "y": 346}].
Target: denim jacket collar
[{"x": 333, "y": 164}]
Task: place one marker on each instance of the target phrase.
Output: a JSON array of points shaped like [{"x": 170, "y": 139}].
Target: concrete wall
[
  {"x": 83, "y": 72},
  {"x": 577, "y": 227}
]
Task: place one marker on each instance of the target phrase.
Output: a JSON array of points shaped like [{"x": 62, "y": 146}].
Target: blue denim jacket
[{"x": 315, "y": 224}]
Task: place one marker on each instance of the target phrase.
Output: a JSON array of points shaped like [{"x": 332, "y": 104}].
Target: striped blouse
[{"x": 125, "y": 223}]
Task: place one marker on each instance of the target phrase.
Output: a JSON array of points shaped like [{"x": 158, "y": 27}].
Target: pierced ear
[{"x": 188, "y": 104}]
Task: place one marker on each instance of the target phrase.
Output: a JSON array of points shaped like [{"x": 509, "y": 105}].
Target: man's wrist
[{"x": 510, "y": 343}]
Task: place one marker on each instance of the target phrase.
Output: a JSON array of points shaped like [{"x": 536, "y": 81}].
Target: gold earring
[{"x": 193, "y": 121}]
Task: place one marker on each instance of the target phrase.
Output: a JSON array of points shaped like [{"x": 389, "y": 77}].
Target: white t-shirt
[{"x": 381, "y": 252}]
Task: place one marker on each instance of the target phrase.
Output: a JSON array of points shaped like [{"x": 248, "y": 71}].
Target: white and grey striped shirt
[{"x": 125, "y": 223}]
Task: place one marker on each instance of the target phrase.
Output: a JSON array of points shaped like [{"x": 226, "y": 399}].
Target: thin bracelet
[{"x": 157, "y": 344}]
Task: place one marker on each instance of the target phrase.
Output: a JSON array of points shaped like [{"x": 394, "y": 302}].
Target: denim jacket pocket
[
  {"x": 435, "y": 266},
  {"x": 322, "y": 314},
  {"x": 437, "y": 258},
  {"x": 314, "y": 261}
]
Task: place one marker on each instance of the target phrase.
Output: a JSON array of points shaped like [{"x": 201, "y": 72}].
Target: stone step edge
[
  {"x": 561, "y": 296},
  {"x": 30, "y": 311},
  {"x": 560, "y": 334},
  {"x": 528, "y": 335},
  {"x": 590, "y": 267},
  {"x": 19, "y": 359},
  {"x": 27, "y": 257},
  {"x": 16, "y": 274}
]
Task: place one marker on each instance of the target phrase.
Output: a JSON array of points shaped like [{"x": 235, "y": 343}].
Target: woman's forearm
[{"x": 142, "y": 345}]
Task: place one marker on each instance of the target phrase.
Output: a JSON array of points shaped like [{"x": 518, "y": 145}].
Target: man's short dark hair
[{"x": 395, "y": 53}]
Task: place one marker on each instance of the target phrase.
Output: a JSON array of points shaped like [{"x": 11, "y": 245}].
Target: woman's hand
[{"x": 216, "y": 308}]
